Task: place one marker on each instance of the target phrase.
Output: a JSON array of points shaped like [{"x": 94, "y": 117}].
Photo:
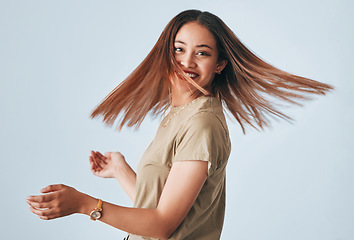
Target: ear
[{"x": 220, "y": 66}]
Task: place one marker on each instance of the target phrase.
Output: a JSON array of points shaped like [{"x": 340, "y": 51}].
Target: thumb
[{"x": 52, "y": 188}]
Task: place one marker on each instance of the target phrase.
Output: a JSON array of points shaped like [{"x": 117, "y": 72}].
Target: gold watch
[{"x": 97, "y": 212}]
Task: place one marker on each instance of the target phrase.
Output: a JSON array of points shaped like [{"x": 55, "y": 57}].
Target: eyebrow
[{"x": 200, "y": 45}]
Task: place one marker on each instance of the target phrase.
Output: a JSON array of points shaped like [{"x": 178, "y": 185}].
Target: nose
[{"x": 187, "y": 60}]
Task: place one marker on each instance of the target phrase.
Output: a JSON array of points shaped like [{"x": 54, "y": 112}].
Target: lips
[{"x": 191, "y": 74}]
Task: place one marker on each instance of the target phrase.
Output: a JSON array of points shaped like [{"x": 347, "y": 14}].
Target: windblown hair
[{"x": 247, "y": 86}]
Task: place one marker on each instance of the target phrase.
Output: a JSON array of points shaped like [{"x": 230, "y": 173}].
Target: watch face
[{"x": 95, "y": 215}]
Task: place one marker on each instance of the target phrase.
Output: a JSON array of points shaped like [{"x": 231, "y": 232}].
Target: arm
[
  {"x": 181, "y": 189},
  {"x": 113, "y": 165}
]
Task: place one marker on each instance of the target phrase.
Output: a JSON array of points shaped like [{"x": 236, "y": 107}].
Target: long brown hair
[{"x": 247, "y": 86}]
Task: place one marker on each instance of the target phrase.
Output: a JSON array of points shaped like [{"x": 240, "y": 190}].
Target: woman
[{"x": 197, "y": 67}]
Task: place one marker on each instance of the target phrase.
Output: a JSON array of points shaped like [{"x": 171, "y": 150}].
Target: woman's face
[{"x": 197, "y": 54}]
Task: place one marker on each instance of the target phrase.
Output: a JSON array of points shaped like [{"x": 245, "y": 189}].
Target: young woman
[{"x": 197, "y": 68}]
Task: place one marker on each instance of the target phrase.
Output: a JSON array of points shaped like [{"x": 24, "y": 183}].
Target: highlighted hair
[{"x": 247, "y": 86}]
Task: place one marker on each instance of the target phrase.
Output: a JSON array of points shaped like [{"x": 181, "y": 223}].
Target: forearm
[
  {"x": 139, "y": 221},
  {"x": 127, "y": 179},
  {"x": 180, "y": 192}
]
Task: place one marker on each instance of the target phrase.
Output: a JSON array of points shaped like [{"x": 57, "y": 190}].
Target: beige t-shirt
[{"x": 196, "y": 131}]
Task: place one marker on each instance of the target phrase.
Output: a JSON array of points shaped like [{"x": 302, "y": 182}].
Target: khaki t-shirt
[{"x": 196, "y": 131}]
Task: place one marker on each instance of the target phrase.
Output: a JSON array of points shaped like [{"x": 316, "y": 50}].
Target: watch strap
[{"x": 99, "y": 205}]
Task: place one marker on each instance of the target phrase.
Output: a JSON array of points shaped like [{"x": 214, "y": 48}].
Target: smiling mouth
[{"x": 191, "y": 75}]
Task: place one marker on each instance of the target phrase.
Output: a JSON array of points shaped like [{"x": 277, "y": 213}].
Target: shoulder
[
  {"x": 205, "y": 120},
  {"x": 207, "y": 114},
  {"x": 206, "y": 125},
  {"x": 203, "y": 135}
]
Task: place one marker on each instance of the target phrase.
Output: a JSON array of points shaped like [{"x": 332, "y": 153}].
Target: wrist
[
  {"x": 87, "y": 204},
  {"x": 121, "y": 169}
]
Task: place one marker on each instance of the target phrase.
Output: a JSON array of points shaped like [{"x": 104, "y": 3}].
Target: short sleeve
[{"x": 203, "y": 137}]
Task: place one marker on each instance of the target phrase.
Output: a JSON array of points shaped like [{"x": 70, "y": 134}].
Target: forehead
[{"x": 193, "y": 33}]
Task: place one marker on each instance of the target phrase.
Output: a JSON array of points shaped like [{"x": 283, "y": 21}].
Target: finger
[
  {"x": 95, "y": 161},
  {"x": 99, "y": 160},
  {"x": 96, "y": 173},
  {"x": 46, "y": 214},
  {"x": 42, "y": 213},
  {"x": 94, "y": 168},
  {"x": 52, "y": 188},
  {"x": 93, "y": 153},
  {"x": 102, "y": 158},
  {"x": 51, "y": 217},
  {"x": 94, "y": 156},
  {"x": 40, "y": 198},
  {"x": 92, "y": 161},
  {"x": 39, "y": 206},
  {"x": 92, "y": 165}
]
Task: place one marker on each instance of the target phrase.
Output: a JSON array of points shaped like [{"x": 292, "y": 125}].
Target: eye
[
  {"x": 201, "y": 53},
  {"x": 178, "y": 49}
]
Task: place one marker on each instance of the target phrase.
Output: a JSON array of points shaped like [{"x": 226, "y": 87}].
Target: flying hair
[{"x": 248, "y": 87}]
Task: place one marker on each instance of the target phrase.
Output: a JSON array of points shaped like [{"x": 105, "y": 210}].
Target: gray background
[{"x": 58, "y": 59}]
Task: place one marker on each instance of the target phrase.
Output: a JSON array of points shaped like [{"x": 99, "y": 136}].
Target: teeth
[{"x": 192, "y": 75}]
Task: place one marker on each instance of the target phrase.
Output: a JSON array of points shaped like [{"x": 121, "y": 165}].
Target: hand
[
  {"x": 106, "y": 166},
  {"x": 57, "y": 201}
]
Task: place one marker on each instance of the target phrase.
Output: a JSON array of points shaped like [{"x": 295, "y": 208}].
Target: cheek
[
  {"x": 209, "y": 74},
  {"x": 176, "y": 58},
  {"x": 209, "y": 69}
]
